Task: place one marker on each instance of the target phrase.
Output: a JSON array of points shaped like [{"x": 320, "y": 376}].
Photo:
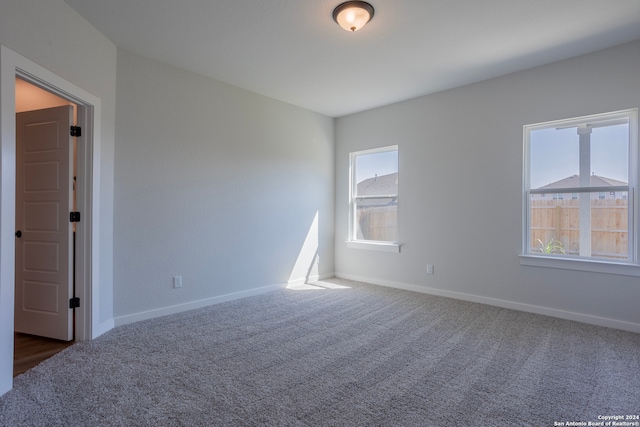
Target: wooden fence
[
  {"x": 550, "y": 219},
  {"x": 378, "y": 223},
  {"x": 560, "y": 220}
]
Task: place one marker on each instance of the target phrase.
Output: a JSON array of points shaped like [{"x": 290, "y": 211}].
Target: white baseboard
[
  {"x": 103, "y": 328},
  {"x": 165, "y": 311},
  {"x": 568, "y": 315}
]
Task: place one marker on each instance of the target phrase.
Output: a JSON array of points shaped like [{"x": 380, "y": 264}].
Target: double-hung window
[
  {"x": 580, "y": 178},
  {"x": 373, "y": 207}
]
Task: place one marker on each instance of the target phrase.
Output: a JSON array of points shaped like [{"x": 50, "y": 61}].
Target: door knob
[{"x": 18, "y": 234}]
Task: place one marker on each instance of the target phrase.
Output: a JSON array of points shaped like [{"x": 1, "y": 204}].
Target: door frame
[{"x": 87, "y": 317}]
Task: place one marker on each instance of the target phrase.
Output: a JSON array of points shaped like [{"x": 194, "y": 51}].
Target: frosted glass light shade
[{"x": 353, "y": 15}]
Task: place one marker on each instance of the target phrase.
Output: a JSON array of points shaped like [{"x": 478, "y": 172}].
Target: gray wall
[
  {"x": 461, "y": 188},
  {"x": 216, "y": 184}
]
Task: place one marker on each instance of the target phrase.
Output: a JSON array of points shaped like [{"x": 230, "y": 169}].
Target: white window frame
[
  {"x": 628, "y": 267},
  {"x": 352, "y": 241}
]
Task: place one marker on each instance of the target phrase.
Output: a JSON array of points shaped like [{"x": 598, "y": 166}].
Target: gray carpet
[{"x": 359, "y": 355}]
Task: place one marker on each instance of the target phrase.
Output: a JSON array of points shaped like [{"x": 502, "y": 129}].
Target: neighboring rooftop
[
  {"x": 574, "y": 181},
  {"x": 383, "y": 185},
  {"x": 379, "y": 185}
]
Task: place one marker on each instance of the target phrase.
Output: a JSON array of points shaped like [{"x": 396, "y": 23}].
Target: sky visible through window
[
  {"x": 370, "y": 165},
  {"x": 555, "y": 154}
]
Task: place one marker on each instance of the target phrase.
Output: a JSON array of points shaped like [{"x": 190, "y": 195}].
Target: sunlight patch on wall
[{"x": 307, "y": 265}]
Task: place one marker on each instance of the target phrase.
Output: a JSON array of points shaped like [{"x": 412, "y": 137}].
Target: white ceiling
[{"x": 292, "y": 50}]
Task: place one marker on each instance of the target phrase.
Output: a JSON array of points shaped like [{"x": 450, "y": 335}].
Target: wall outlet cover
[{"x": 177, "y": 282}]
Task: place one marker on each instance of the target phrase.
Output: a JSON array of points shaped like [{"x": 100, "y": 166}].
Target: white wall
[
  {"x": 216, "y": 184},
  {"x": 461, "y": 183},
  {"x": 51, "y": 34}
]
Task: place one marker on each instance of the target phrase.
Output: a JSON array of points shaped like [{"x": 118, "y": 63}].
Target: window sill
[
  {"x": 594, "y": 266},
  {"x": 374, "y": 246}
]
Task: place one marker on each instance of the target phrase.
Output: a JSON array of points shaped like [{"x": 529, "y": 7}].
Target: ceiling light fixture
[{"x": 353, "y": 15}]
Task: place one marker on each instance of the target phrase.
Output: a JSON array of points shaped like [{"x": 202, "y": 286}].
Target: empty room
[{"x": 320, "y": 212}]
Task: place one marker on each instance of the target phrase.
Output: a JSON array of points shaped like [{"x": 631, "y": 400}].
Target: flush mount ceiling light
[{"x": 353, "y": 15}]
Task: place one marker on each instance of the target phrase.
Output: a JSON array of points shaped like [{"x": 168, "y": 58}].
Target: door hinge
[
  {"x": 76, "y": 131},
  {"x": 74, "y": 302},
  {"x": 74, "y": 216}
]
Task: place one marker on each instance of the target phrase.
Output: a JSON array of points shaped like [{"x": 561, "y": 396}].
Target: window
[
  {"x": 373, "y": 212},
  {"x": 593, "y": 161}
]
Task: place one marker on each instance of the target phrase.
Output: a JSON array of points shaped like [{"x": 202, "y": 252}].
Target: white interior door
[{"x": 44, "y": 150}]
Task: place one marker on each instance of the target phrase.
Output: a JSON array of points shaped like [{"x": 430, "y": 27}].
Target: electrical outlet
[
  {"x": 429, "y": 268},
  {"x": 177, "y": 282}
]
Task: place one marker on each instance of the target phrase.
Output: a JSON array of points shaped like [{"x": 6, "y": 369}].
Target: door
[{"x": 44, "y": 154}]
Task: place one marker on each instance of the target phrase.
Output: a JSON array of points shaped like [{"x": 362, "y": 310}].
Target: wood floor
[{"x": 30, "y": 350}]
